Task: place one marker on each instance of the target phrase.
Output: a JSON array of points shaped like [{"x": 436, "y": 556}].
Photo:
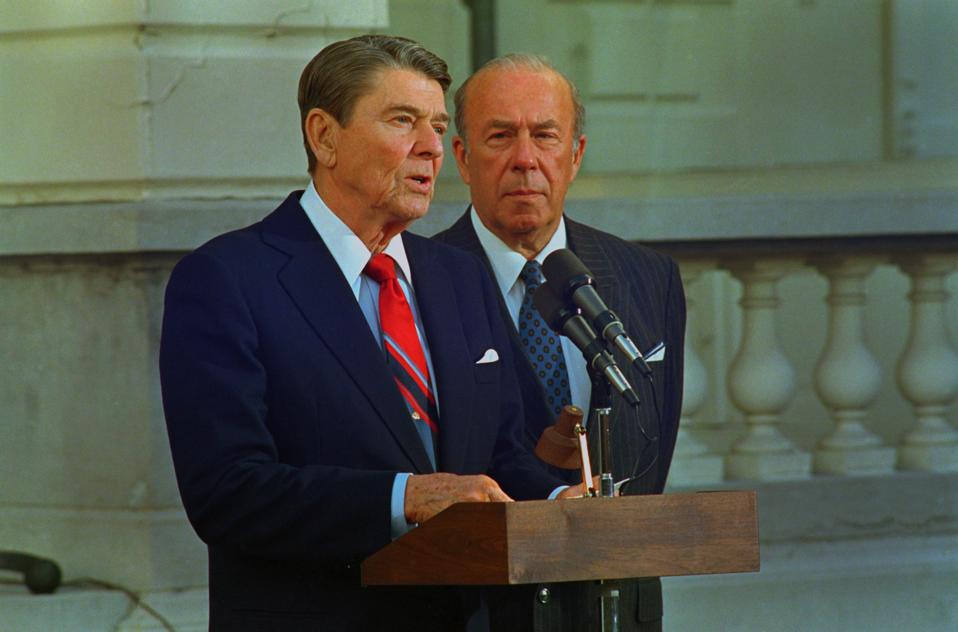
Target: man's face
[
  {"x": 521, "y": 153},
  {"x": 387, "y": 157}
]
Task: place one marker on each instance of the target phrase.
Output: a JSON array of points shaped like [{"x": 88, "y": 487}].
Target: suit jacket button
[{"x": 543, "y": 595}]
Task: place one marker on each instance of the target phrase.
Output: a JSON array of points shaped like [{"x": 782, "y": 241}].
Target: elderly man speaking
[{"x": 330, "y": 380}]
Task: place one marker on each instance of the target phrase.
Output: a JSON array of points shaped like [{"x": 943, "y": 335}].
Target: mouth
[
  {"x": 420, "y": 183},
  {"x": 523, "y": 193}
]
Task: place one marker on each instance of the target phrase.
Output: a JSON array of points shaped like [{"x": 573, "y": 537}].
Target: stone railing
[{"x": 761, "y": 381}]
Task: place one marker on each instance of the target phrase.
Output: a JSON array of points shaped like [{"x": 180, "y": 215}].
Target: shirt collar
[
  {"x": 506, "y": 262},
  {"x": 348, "y": 250}
]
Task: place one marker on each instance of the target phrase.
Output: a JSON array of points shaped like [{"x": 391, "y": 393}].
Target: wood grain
[{"x": 574, "y": 540}]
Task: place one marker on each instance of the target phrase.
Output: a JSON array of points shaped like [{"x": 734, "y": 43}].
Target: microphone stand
[{"x": 600, "y": 419}]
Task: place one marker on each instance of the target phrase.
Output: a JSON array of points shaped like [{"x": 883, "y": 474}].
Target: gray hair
[
  {"x": 345, "y": 71},
  {"x": 518, "y": 61}
]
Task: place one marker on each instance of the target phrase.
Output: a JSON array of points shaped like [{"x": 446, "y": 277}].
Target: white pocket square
[
  {"x": 489, "y": 356},
  {"x": 656, "y": 353}
]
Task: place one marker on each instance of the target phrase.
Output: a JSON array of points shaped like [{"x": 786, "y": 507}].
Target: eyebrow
[
  {"x": 511, "y": 125},
  {"x": 441, "y": 117}
]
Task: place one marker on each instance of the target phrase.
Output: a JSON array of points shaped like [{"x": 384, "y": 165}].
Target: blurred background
[{"x": 798, "y": 157}]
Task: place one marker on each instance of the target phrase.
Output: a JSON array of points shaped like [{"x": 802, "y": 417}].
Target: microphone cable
[{"x": 650, "y": 441}]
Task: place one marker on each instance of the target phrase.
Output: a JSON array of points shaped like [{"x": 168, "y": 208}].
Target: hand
[{"x": 428, "y": 494}]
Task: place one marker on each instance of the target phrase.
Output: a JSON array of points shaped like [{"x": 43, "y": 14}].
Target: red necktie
[{"x": 404, "y": 354}]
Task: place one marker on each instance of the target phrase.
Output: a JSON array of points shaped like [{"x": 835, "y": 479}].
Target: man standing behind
[
  {"x": 330, "y": 380},
  {"x": 519, "y": 146}
]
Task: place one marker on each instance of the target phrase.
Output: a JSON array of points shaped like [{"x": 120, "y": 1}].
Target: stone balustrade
[{"x": 761, "y": 380}]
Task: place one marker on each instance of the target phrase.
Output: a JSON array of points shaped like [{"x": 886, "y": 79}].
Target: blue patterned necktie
[{"x": 541, "y": 344}]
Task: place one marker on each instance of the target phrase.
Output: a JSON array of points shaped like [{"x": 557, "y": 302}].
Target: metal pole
[
  {"x": 483, "y": 31},
  {"x": 609, "y": 607},
  {"x": 606, "y": 483}
]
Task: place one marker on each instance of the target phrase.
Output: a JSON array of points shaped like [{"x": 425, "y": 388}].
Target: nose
[
  {"x": 523, "y": 157},
  {"x": 428, "y": 143}
]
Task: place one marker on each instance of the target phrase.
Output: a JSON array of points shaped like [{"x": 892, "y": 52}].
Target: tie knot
[
  {"x": 531, "y": 274},
  {"x": 381, "y": 268}
]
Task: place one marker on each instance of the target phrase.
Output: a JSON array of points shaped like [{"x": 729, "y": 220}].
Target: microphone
[
  {"x": 575, "y": 282},
  {"x": 563, "y": 320}
]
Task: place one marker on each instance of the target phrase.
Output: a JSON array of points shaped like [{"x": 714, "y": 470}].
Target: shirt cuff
[
  {"x": 397, "y": 506},
  {"x": 558, "y": 490}
]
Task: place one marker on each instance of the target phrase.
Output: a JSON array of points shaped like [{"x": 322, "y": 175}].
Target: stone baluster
[
  {"x": 761, "y": 380},
  {"x": 847, "y": 376},
  {"x": 928, "y": 369},
  {"x": 692, "y": 464}
]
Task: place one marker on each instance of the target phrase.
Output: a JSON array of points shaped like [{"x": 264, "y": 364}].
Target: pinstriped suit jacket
[{"x": 644, "y": 289}]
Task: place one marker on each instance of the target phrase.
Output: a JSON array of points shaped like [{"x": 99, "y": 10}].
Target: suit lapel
[
  {"x": 610, "y": 282},
  {"x": 618, "y": 290},
  {"x": 590, "y": 252},
  {"x": 315, "y": 283},
  {"x": 463, "y": 235},
  {"x": 451, "y": 357}
]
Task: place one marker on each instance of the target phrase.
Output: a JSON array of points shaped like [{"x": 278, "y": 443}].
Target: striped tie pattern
[
  {"x": 541, "y": 344},
  {"x": 404, "y": 353}
]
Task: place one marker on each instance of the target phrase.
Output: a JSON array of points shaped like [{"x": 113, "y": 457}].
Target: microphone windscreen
[
  {"x": 550, "y": 305},
  {"x": 562, "y": 266}
]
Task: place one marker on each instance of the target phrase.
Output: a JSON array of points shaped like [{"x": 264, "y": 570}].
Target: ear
[
  {"x": 462, "y": 157},
  {"x": 577, "y": 155},
  {"x": 322, "y": 131}
]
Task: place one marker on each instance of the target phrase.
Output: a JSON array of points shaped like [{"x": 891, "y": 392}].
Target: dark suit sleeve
[
  {"x": 215, "y": 394},
  {"x": 674, "y": 370}
]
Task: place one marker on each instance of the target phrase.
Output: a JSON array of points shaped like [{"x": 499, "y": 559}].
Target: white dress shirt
[{"x": 352, "y": 255}]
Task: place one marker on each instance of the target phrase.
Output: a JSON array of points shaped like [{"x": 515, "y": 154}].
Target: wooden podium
[{"x": 575, "y": 540}]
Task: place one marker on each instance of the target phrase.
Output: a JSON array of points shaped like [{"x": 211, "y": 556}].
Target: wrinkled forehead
[
  {"x": 534, "y": 96},
  {"x": 407, "y": 89}
]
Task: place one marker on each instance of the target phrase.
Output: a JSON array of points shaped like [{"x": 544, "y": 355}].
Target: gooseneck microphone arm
[
  {"x": 573, "y": 281},
  {"x": 576, "y": 329}
]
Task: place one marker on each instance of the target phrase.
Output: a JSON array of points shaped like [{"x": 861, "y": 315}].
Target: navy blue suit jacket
[{"x": 287, "y": 430}]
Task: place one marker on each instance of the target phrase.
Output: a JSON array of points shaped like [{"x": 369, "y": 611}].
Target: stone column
[
  {"x": 761, "y": 381},
  {"x": 928, "y": 369},
  {"x": 847, "y": 377}
]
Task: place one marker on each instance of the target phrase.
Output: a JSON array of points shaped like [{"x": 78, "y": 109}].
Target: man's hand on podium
[{"x": 428, "y": 494}]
